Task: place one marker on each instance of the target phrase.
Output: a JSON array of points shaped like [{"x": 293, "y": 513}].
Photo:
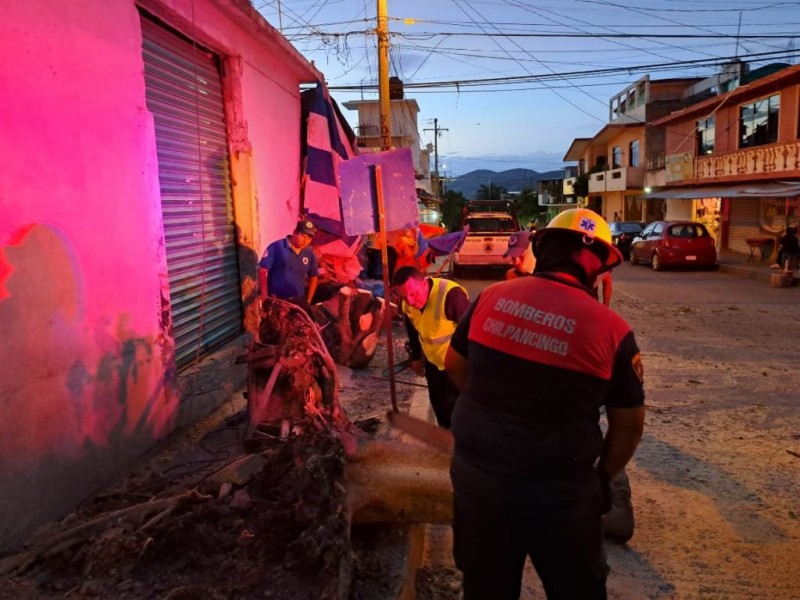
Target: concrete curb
[{"x": 750, "y": 273}]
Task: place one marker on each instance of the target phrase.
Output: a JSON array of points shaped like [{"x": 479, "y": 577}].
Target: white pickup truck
[{"x": 489, "y": 224}]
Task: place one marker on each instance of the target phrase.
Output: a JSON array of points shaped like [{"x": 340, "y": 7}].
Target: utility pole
[
  {"x": 386, "y": 144},
  {"x": 436, "y": 129},
  {"x": 383, "y": 76}
]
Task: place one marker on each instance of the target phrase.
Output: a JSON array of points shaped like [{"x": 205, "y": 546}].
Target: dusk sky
[{"x": 559, "y": 46}]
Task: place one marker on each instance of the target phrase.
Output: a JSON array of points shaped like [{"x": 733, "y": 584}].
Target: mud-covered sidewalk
[{"x": 218, "y": 512}]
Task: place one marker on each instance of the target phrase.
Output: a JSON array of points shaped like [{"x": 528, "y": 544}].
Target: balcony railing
[
  {"x": 597, "y": 182},
  {"x": 774, "y": 159},
  {"x": 624, "y": 178},
  {"x": 616, "y": 180},
  {"x": 548, "y": 199}
]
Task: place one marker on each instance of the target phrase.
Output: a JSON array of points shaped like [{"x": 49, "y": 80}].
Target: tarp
[
  {"x": 447, "y": 243},
  {"x": 771, "y": 189},
  {"x": 327, "y": 145}
]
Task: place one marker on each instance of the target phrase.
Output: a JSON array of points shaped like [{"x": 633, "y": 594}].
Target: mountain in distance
[{"x": 513, "y": 180}]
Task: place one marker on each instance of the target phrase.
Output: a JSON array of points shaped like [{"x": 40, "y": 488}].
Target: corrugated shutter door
[
  {"x": 743, "y": 224},
  {"x": 184, "y": 93}
]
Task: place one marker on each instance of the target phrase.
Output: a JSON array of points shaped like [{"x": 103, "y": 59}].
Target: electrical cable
[
  {"x": 567, "y": 100},
  {"x": 653, "y": 67}
]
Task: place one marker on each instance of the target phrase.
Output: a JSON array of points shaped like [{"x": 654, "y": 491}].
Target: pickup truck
[{"x": 489, "y": 224}]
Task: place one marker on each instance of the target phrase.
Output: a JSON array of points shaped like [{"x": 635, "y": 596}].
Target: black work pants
[
  {"x": 499, "y": 521},
  {"x": 442, "y": 393}
]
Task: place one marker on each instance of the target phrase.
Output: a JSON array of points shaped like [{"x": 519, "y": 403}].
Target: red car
[{"x": 674, "y": 243}]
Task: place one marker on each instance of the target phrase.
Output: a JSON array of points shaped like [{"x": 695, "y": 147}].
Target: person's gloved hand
[
  {"x": 605, "y": 487},
  {"x": 418, "y": 366}
]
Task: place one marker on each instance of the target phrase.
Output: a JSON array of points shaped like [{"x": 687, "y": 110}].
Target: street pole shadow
[{"x": 736, "y": 503}]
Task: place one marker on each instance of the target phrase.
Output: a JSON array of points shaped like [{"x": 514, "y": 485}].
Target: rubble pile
[{"x": 280, "y": 531}]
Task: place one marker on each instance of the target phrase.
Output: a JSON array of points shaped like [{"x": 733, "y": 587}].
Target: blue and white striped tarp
[{"x": 327, "y": 146}]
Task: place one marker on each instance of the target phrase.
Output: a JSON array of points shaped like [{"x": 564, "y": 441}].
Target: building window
[
  {"x": 616, "y": 157},
  {"x": 705, "y": 136},
  {"x": 758, "y": 122},
  {"x": 633, "y": 153}
]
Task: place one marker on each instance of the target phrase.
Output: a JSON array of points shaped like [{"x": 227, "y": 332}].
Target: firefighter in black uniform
[{"x": 536, "y": 358}]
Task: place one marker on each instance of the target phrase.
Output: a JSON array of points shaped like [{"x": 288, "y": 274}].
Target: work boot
[{"x": 618, "y": 523}]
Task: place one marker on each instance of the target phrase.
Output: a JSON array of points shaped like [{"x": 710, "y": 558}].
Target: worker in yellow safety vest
[{"x": 432, "y": 309}]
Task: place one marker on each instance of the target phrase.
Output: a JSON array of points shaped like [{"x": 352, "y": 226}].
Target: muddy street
[{"x": 716, "y": 478}]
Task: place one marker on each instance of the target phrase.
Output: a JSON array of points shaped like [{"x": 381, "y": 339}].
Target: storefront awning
[{"x": 772, "y": 189}]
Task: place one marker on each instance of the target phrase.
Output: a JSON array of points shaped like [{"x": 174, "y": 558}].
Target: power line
[
  {"x": 546, "y": 35},
  {"x": 567, "y": 100},
  {"x": 653, "y": 67}
]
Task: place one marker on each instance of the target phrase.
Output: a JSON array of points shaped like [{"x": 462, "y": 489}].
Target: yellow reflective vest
[{"x": 435, "y": 329}]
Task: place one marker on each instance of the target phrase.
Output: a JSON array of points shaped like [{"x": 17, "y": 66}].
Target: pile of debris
[
  {"x": 275, "y": 518},
  {"x": 272, "y": 521}
]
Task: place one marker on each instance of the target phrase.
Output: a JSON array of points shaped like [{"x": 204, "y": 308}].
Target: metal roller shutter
[
  {"x": 184, "y": 92},
  {"x": 743, "y": 224}
]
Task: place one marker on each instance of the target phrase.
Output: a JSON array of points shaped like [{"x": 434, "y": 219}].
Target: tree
[
  {"x": 490, "y": 192},
  {"x": 581, "y": 184},
  {"x": 526, "y": 206},
  {"x": 452, "y": 209}
]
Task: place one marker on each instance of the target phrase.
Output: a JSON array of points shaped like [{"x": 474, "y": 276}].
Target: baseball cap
[
  {"x": 518, "y": 243},
  {"x": 306, "y": 227}
]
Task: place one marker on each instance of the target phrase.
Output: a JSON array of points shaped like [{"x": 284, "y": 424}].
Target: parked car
[
  {"x": 490, "y": 224},
  {"x": 622, "y": 234},
  {"x": 674, "y": 243}
]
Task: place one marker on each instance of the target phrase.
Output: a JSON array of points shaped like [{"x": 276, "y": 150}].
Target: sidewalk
[{"x": 741, "y": 265}]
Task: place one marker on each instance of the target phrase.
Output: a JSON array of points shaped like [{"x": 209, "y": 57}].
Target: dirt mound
[{"x": 282, "y": 534}]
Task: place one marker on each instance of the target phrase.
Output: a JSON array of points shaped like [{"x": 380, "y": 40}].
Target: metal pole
[
  {"x": 383, "y": 76},
  {"x": 436, "y": 130},
  {"x": 387, "y": 318}
]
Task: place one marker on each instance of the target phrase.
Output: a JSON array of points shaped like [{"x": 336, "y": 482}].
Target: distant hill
[{"x": 512, "y": 180}]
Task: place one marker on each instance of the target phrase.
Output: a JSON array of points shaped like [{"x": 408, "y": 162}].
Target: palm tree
[{"x": 490, "y": 192}]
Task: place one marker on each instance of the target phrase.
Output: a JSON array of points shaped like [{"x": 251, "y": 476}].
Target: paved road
[{"x": 642, "y": 284}]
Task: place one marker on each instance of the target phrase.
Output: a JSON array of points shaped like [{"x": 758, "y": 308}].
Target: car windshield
[
  {"x": 623, "y": 227},
  {"x": 489, "y": 224},
  {"x": 687, "y": 230}
]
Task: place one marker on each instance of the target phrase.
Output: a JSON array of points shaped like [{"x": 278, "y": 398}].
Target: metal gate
[
  {"x": 743, "y": 223},
  {"x": 184, "y": 92}
]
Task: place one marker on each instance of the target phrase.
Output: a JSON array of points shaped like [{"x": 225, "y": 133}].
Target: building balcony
[
  {"x": 617, "y": 180},
  {"x": 780, "y": 160},
  {"x": 549, "y": 199},
  {"x": 597, "y": 182},
  {"x": 625, "y": 178}
]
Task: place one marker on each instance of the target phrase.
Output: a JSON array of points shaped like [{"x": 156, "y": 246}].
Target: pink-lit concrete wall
[{"x": 87, "y": 380}]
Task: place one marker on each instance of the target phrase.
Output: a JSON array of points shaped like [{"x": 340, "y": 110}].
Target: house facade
[
  {"x": 733, "y": 160},
  {"x": 403, "y": 126},
  {"x": 150, "y": 152},
  {"x": 621, "y": 160}
]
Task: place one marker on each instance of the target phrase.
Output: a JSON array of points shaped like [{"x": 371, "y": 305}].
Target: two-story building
[
  {"x": 150, "y": 150},
  {"x": 614, "y": 165},
  {"x": 734, "y": 159},
  {"x": 403, "y": 126}
]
